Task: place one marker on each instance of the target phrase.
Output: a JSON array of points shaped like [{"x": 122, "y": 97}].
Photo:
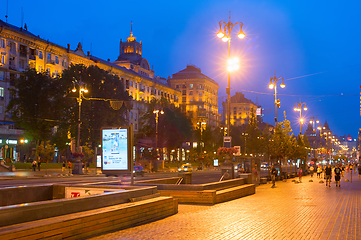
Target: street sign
[{"x": 227, "y": 141}]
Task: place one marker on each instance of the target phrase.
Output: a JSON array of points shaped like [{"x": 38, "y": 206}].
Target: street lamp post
[
  {"x": 298, "y": 107},
  {"x": 157, "y": 112},
  {"x": 79, "y": 99},
  {"x": 312, "y": 121},
  {"x": 225, "y": 35},
  {"x": 202, "y": 125},
  {"x": 273, "y": 84}
]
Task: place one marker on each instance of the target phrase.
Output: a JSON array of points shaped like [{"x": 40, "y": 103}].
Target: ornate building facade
[
  {"x": 241, "y": 109},
  {"x": 199, "y": 100},
  {"x": 20, "y": 49}
]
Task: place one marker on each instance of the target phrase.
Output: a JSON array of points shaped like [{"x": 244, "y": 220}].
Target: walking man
[
  {"x": 328, "y": 172},
  {"x": 337, "y": 171},
  {"x": 311, "y": 170},
  {"x": 319, "y": 171},
  {"x": 273, "y": 175}
]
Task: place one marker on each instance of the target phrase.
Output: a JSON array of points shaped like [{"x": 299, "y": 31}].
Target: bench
[{"x": 92, "y": 222}]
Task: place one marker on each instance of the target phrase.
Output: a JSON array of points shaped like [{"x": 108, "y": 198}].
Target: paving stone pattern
[{"x": 307, "y": 210}]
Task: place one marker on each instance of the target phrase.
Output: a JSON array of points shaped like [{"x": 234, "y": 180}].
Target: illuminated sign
[
  {"x": 99, "y": 161},
  {"x": 349, "y": 139},
  {"x": 259, "y": 112},
  {"x": 215, "y": 162},
  {"x": 116, "y": 150}
]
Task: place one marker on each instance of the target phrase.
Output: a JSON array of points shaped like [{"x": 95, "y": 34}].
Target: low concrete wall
[
  {"x": 18, "y": 195},
  {"x": 88, "y": 223},
  {"x": 172, "y": 180},
  {"x": 235, "y": 192},
  {"x": 194, "y": 187},
  {"x": 39, "y": 210},
  {"x": 198, "y": 197}
]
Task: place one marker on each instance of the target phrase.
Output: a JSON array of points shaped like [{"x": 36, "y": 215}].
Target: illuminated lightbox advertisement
[{"x": 115, "y": 152}]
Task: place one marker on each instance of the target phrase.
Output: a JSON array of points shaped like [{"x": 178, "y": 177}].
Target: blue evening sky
[{"x": 314, "y": 45}]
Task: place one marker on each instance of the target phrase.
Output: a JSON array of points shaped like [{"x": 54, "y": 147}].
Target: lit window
[
  {"x": 40, "y": 55},
  {"x": 56, "y": 60},
  {"x": 2, "y": 44},
  {"x": 191, "y": 85},
  {"x": 1, "y": 92},
  {"x": 2, "y": 59}
]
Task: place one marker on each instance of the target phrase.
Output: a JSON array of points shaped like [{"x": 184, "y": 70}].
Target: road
[{"x": 37, "y": 178}]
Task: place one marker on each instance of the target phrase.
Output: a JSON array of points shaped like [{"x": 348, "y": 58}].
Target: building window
[
  {"x": 200, "y": 93},
  {"x": 200, "y": 86},
  {"x": 177, "y": 86},
  {"x": 2, "y": 75},
  {"x": 131, "y": 83},
  {"x": 40, "y": 55},
  {"x": 184, "y": 86},
  {"x": 1, "y": 92},
  {"x": 184, "y": 92},
  {"x": 191, "y": 85},
  {"x": 2, "y": 59},
  {"x": 1, "y": 109},
  {"x": 131, "y": 115},
  {"x": 135, "y": 117},
  {"x": 56, "y": 60},
  {"x": 147, "y": 89},
  {"x": 190, "y": 92},
  {"x": 2, "y": 44},
  {"x": 184, "y": 99}
]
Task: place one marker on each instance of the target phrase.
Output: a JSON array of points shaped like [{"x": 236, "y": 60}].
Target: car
[
  {"x": 138, "y": 170},
  {"x": 186, "y": 168}
]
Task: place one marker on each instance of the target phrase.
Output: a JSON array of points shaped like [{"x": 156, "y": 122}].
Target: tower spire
[
  {"x": 131, "y": 38},
  {"x": 131, "y": 29}
]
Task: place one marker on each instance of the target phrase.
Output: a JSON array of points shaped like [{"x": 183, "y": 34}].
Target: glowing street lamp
[
  {"x": 157, "y": 112},
  {"x": 273, "y": 85},
  {"x": 81, "y": 89},
  {"x": 225, "y": 30},
  {"x": 298, "y": 107}
]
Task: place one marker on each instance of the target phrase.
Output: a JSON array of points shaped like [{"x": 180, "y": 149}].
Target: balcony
[
  {"x": 50, "y": 61},
  {"x": 12, "y": 67}
]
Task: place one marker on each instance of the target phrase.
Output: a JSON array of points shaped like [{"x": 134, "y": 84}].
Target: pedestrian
[
  {"x": 319, "y": 171},
  {"x": 328, "y": 173},
  {"x": 255, "y": 173},
  {"x": 311, "y": 170},
  {"x": 273, "y": 175},
  {"x": 34, "y": 165},
  {"x": 69, "y": 166},
  {"x": 39, "y": 165},
  {"x": 337, "y": 172},
  {"x": 300, "y": 173},
  {"x": 63, "y": 168}
]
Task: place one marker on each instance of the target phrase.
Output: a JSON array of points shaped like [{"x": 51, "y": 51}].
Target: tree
[
  {"x": 96, "y": 111},
  {"x": 32, "y": 106},
  {"x": 254, "y": 134},
  {"x": 46, "y": 151}
]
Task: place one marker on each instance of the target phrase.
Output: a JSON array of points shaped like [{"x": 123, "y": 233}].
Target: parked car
[
  {"x": 186, "y": 168},
  {"x": 138, "y": 170}
]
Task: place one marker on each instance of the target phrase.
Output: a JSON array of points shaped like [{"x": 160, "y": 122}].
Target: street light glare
[
  {"x": 225, "y": 39},
  {"x": 232, "y": 64},
  {"x": 220, "y": 34},
  {"x": 241, "y": 34},
  {"x": 271, "y": 86}
]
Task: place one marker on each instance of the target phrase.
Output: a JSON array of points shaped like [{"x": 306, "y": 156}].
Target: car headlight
[{"x": 179, "y": 169}]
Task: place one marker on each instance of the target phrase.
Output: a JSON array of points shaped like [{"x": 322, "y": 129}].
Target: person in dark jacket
[
  {"x": 337, "y": 172},
  {"x": 273, "y": 175},
  {"x": 328, "y": 173}
]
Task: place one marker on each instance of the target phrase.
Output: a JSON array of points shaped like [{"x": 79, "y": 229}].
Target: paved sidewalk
[
  {"x": 308, "y": 210},
  {"x": 22, "y": 173}
]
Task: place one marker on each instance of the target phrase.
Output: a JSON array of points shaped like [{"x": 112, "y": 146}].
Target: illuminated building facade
[
  {"x": 241, "y": 109},
  {"x": 20, "y": 49},
  {"x": 199, "y": 100}
]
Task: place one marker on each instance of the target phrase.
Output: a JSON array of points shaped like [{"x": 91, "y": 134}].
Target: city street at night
[{"x": 307, "y": 210}]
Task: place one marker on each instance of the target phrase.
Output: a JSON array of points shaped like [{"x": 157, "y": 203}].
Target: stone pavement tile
[{"x": 308, "y": 210}]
